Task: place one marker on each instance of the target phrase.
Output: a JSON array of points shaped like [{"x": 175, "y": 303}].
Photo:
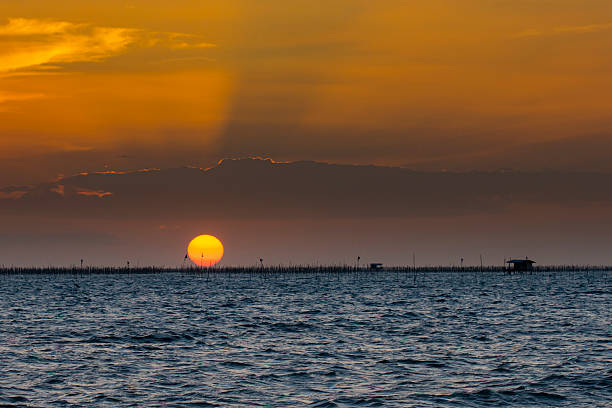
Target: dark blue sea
[{"x": 319, "y": 340}]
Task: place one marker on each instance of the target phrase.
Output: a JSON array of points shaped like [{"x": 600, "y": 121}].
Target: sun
[{"x": 205, "y": 250}]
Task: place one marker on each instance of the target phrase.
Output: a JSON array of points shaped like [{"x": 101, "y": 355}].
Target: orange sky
[{"x": 436, "y": 83}]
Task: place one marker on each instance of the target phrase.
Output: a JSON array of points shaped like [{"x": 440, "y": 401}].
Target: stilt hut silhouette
[{"x": 520, "y": 265}]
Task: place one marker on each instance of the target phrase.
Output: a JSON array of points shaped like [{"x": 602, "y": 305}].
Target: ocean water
[{"x": 382, "y": 339}]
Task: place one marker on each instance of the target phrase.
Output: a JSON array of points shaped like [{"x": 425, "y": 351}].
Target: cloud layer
[
  {"x": 572, "y": 29},
  {"x": 42, "y": 44},
  {"x": 31, "y": 43},
  {"x": 259, "y": 189}
]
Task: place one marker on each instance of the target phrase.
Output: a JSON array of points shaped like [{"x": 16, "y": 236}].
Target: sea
[{"x": 364, "y": 339}]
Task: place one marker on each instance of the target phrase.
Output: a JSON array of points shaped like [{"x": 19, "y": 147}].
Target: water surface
[{"x": 383, "y": 339}]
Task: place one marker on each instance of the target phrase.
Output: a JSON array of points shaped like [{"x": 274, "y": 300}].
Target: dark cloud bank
[{"x": 253, "y": 188}]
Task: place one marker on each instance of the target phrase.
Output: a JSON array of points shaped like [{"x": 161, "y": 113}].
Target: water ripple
[{"x": 355, "y": 340}]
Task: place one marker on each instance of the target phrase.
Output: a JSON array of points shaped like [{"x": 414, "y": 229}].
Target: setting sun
[{"x": 205, "y": 250}]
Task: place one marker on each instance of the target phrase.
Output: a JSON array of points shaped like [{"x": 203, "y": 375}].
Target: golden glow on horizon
[{"x": 205, "y": 250}]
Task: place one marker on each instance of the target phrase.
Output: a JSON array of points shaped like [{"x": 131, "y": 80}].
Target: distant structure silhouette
[{"x": 521, "y": 265}]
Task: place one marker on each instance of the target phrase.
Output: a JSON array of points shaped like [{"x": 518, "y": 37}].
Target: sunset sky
[{"x": 436, "y": 85}]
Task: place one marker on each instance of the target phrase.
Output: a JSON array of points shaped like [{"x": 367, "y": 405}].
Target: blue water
[{"x": 384, "y": 339}]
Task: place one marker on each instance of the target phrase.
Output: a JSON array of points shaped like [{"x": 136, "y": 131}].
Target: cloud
[
  {"x": 17, "y": 97},
  {"x": 531, "y": 32},
  {"x": 592, "y": 28},
  {"x": 25, "y": 26},
  {"x": 13, "y": 193},
  {"x": 583, "y": 29},
  {"x": 59, "y": 189},
  {"x": 183, "y": 44},
  {"x": 33, "y": 44},
  {"x": 265, "y": 189},
  {"x": 92, "y": 193},
  {"x": 182, "y": 41},
  {"x": 29, "y": 43}
]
